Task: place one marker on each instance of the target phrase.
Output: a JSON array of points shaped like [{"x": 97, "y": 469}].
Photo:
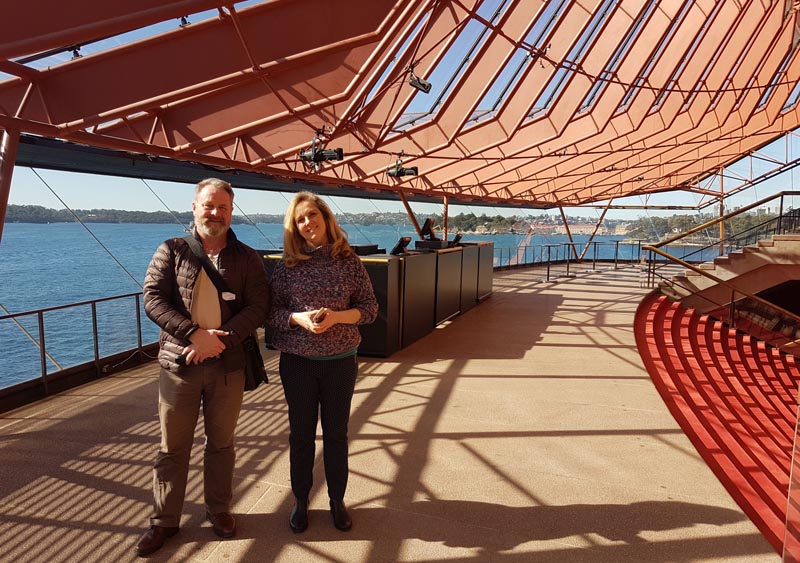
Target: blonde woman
[{"x": 321, "y": 292}]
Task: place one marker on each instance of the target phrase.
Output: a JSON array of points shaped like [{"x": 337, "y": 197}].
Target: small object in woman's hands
[{"x": 321, "y": 314}]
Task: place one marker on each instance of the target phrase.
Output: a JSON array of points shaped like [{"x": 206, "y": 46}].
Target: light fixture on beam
[
  {"x": 398, "y": 171},
  {"x": 419, "y": 84},
  {"x": 316, "y": 154},
  {"x": 321, "y": 155}
]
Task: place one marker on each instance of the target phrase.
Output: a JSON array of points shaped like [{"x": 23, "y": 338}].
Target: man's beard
[{"x": 212, "y": 229}]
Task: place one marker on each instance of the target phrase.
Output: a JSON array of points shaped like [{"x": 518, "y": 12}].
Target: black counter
[{"x": 416, "y": 291}]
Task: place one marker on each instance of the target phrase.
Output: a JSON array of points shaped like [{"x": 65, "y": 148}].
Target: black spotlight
[
  {"x": 321, "y": 155},
  {"x": 420, "y": 84},
  {"x": 398, "y": 171}
]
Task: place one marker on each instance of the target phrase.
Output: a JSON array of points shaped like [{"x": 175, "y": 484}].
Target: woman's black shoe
[
  {"x": 341, "y": 519},
  {"x": 298, "y": 522}
]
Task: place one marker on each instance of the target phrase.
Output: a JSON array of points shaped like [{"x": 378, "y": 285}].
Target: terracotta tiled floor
[{"x": 524, "y": 430}]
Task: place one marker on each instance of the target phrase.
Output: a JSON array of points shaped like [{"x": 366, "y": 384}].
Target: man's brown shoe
[
  {"x": 153, "y": 539},
  {"x": 224, "y": 524}
]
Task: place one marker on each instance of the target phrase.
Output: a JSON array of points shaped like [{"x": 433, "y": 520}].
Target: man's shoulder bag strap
[{"x": 212, "y": 272}]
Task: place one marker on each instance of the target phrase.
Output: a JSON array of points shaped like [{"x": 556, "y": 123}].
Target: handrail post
[
  {"x": 547, "y": 276},
  {"x": 731, "y": 309},
  {"x": 594, "y": 256},
  {"x": 42, "y": 357},
  {"x": 95, "y": 339},
  {"x": 566, "y": 253},
  {"x": 139, "y": 326},
  {"x": 616, "y": 253}
]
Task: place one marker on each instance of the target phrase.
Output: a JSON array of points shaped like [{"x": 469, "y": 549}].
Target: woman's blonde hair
[{"x": 294, "y": 245}]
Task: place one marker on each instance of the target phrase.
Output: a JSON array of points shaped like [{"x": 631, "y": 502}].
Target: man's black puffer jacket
[{"x": 169, "y": 285}]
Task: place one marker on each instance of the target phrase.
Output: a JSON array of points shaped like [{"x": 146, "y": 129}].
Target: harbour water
[{"x": 57, "y": 264}]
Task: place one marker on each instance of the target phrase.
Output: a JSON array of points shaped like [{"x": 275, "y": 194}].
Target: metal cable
[
  {"x": 88, "y": 230},
  {"x": 246, "y": 216},
  {"x": 177, "y": 219}
]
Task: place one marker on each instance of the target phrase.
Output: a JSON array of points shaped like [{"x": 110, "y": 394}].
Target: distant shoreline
[
  {"x": 37, "y": 214},
  {"x": 41, "y": 215}
]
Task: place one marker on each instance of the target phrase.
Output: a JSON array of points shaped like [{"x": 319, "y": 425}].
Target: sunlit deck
[{"x": 525, "y": 430}]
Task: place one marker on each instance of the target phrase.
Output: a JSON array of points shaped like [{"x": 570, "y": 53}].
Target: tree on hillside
[{"x": 658, "y": 228}]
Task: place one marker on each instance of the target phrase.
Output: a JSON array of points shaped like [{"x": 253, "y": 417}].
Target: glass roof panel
[
  {"x": 701, "y": 82},
  {"x": 780, "y": 74},
  {"x": 751, "y": 83},
  {"x": 688, "y": 55},
  {"x": 534, "y": 42},
  {"x": 791, "y": 101},
  {"x": 391, "y": 69},
  {"x": 444, "y": 76},
  {"x": 616, "y": 59},
  {"x": 729, "y": 79},
  {"x": 503, "y": 84},
  {"x": 573, "y": 59},
  {"x": 637, "y": 84}
]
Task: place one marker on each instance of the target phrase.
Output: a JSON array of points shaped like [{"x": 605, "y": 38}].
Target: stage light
[
  {"x": 398, "y": 171},
  {"x": 420, "y": 84},
  {"x": 321, "y": 155}
]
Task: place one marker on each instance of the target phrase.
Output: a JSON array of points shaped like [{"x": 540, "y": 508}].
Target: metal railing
[
  {"x": 557, "y": 259},
  {"x": 788, "y": 320},
  {"x": 40, "y": 336},
  {"x": 787, "y": 220},
  {"x": 741, "y": 305},
  {"x": 767, "y": 321}
]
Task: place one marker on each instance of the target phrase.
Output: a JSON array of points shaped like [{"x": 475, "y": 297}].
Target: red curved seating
[{"x": 734, "y": 396}]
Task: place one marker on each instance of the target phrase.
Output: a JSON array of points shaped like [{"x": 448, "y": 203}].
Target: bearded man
[{"x": 202, "y": 359}]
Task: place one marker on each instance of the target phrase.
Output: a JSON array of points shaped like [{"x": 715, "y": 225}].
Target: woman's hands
[
  {"x": 320, "y": 320},
  {"x": 316, "y": 321}
]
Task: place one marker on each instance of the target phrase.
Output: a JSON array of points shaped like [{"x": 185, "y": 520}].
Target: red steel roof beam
[
  {"x": 635, "y": 61},
  {"x": 623, "y": 119},
  {"x": 33, "y": 27}
]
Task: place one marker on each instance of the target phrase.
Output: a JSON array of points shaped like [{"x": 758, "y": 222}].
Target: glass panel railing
[
  {"x": 690, "y": 251},
  {"x": 559, "y": 259},
  {"x": 44, "y": 342},
  {"x": 791, "y": 539},
  {"x": 69, "y": 335}
]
